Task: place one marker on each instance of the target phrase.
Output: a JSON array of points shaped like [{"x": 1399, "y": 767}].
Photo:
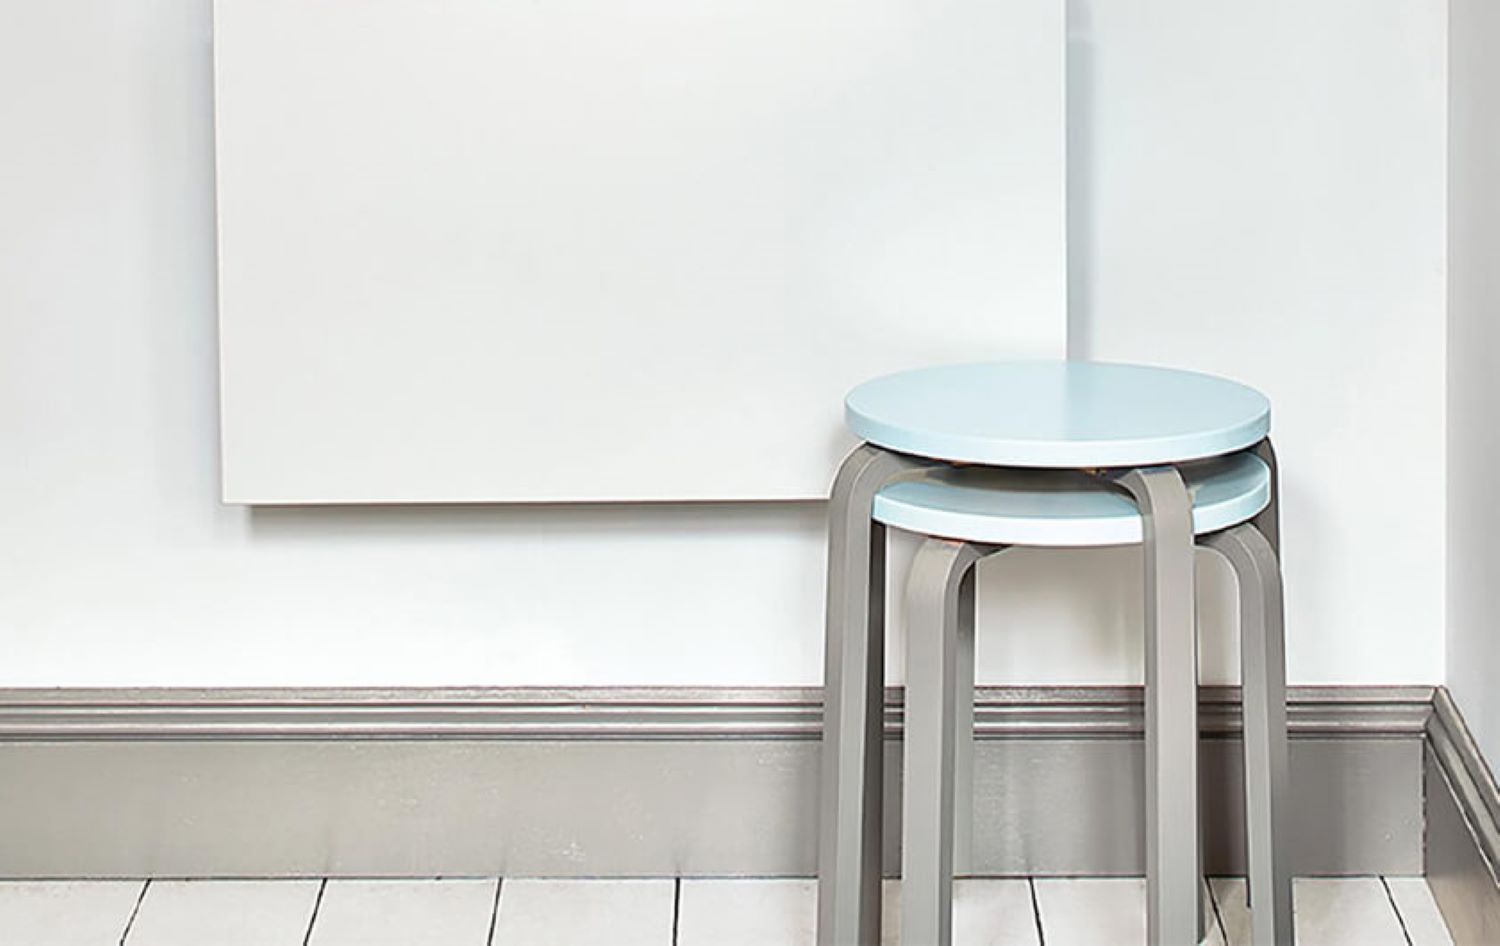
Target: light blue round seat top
[
  {"x": 1063, "y": 508},
  {"x": 1057, "y": 414}
]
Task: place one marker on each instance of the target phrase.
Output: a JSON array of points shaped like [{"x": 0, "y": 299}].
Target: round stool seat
[
  {"x": 1063, "y": 508},
  {"x": 1057, "y": 414}
]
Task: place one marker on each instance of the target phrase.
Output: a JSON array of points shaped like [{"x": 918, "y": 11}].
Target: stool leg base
[
  {"x": 1267, "y": 775},
  {"x": 1268, "y": 520},
  {"x": 1173, "y": 869},
  {"x": 850, "y": 808},
  {"x": 963, "y": 716},
  {"x": 940, "y": 601}
]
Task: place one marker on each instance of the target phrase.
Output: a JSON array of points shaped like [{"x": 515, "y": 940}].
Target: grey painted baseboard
[
  {"x": 1463, "y": 842},
  {"x": 634, "y": 782}
]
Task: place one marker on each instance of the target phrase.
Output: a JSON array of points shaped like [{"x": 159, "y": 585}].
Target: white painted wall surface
[
  {"x": 1258, "y": 192},
  {"x": 119, "y": 566},
  {"x": 1474, "y": 367}
]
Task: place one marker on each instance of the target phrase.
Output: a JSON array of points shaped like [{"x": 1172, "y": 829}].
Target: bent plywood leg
[
  {"x": 963, "y": 752},
  {"x": 1173, "y": 874},
  {"x": 1267, "y": 775},
  {"x": 1268, "y": 520},
  {"x": 850, "y": 804},
  {"x": 939, "y": 601},
  {"x": 963, "y": 721}
]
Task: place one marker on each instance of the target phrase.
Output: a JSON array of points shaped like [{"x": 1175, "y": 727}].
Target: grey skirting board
[
  {"x": 1463, "y": 843},
  {"x": 620, "y": 782}
]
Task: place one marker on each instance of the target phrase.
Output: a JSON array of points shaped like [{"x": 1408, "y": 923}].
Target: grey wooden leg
[
  {"x": 1173, "y": 872},
  {"x": 1268, "y": 521},
  {"x": 1263, "y": 669},
  {"x": 850, "y": 804},
  {"x": 963, "y": 717},
  {"x": 939, "y": 593}
]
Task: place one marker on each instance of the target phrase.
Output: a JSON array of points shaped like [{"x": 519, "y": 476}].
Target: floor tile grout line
[
  {"x": 1036, "y": 912},
  {"x": 313, "y": 920},
  {"x": 1213, "y": 901},
  {"x": 1396, "y": 909},
  {"x": 489, "y": 940},
  {"x": 135, "y": 911},
  {"x": 676, "y": 907}
]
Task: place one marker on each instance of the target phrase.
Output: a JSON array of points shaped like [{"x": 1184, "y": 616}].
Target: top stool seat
[{"x": 1071, "y": 414}]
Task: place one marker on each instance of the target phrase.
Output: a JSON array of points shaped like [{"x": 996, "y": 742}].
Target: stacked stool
[{"x": 980, "y": 458}]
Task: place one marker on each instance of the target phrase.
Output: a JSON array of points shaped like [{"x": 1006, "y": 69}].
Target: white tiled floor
[
  {"x": 585, "y": 912},
  {"x": 1081, "y": 912},
  {"x": 1419, "y": 912},
  {"x": 1342, "y": 911},
  {"x": 67, "y": 914},
  {"x": 1368, "y": 911},
  {"x": 985, "y": 913},
  {"x": 746, "y": 912},
  {"x": 396, "y": 913},
  {"x": 225, "y": 912}
]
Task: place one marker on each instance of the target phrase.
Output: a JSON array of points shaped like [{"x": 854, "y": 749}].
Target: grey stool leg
[
  {"x": 1268, "y": 521},
  {"x": 963, "y": 721},
  {"x": 963, "y": 753},
  {"x": 1173, "y": 871},
  {"x": 1263, "y": 668},
  {"x": 939, "y": 600},
  {"x": 850, "y": 806}
]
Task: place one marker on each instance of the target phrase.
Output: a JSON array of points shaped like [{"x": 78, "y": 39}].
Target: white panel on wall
[{"x": 477, "y": 250}]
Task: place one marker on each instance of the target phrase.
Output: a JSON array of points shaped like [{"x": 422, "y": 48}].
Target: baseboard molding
[
  {"x": 130, "y": 783},
  {"x": 1463, "y": 840},
  {"x": 643, "y": 713}
]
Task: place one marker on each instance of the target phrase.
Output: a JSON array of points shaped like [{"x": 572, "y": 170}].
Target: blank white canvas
[{"x": 495, "y": 250}]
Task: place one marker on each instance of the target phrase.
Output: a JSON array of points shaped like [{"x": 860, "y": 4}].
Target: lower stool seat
[
  {"x": 1063, "y": 508},
  {"x": 968, "y": 513}
]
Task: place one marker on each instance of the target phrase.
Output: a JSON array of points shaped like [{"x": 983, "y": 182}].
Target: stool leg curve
[
  {"x": 963, "y": 721},
  {"x": 1268, "y": 520},
  {"x": 1173, "y": 861},
  {"x": 850, "y": 802},
  {"x": 940, "y": 591},
  {"x": 963, "y": 710},
  {"x": 1267, "y": 774}
]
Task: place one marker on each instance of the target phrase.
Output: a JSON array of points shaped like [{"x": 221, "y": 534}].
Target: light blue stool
[{"x": 982, "y": 457}]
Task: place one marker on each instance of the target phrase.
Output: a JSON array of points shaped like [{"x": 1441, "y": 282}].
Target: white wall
[
  {"x": 1474, "y": 357},
  {"x": 1258, "y": 192},
  {"x": 118, "y": 565}
]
